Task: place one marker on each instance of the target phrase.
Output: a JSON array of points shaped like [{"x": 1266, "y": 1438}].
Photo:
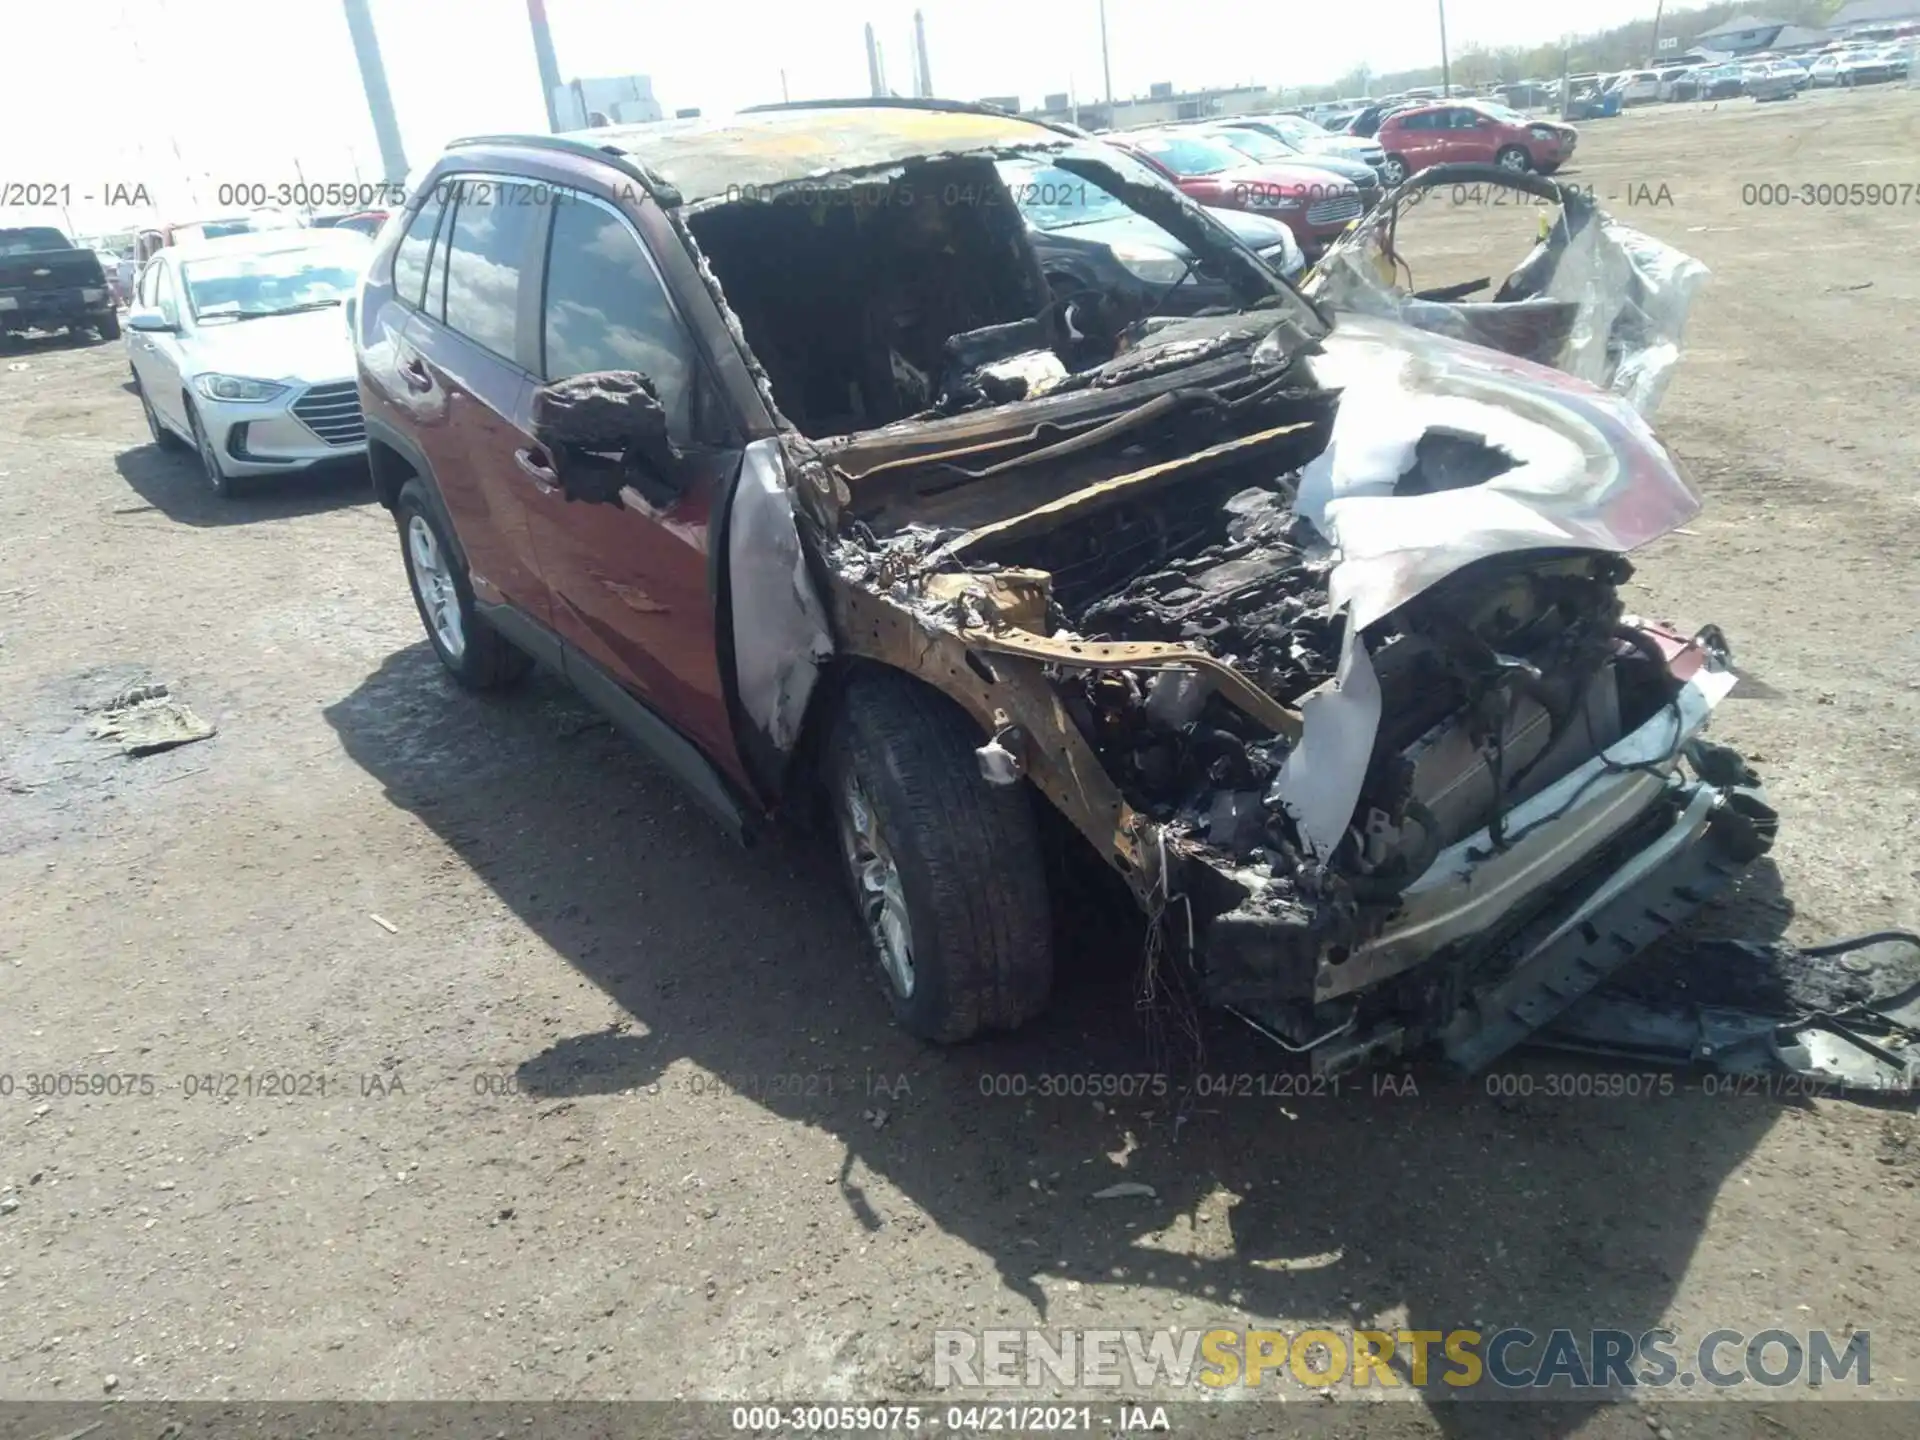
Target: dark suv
[{"x": 770, "y": 436}]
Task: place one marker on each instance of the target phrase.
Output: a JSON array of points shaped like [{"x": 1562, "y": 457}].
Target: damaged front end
[{"x": 1308, "y": 620}]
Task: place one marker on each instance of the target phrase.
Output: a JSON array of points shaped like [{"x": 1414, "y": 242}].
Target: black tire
[
  {"x": 226, "y": 486},
  {"x": 1393, "y": 171},
  {"x": 967, "y": 856},
  {"x": 163, "y": 438},
  {"x": 108, "y": 328},
  {"x": 1514, "y": 159},
  {"x": 486, "y": 660}
]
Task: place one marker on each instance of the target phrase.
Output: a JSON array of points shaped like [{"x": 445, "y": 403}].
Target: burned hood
[{"x": 1443, "y": 453}]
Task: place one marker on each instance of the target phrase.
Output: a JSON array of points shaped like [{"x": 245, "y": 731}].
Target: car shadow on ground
[
  {"x": 1481, "y": 1204},
  {"x": 172, "y": 482}
]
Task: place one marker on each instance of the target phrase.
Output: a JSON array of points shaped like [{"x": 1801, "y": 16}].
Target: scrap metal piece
[
  {"x": 145, "y": 720},
  {"x": 1871, "y": 1045},
  {"x": 1143, "y": 655},
  {"x": 1718, "y": 835}
]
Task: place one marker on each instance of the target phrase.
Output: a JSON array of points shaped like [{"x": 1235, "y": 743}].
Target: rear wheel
[
  {"x": 108, "y": 328},
  {"x": 946, "y": 869},
  {"x": 471, "y": 650},
  {"x": 1514, "y": 159}
]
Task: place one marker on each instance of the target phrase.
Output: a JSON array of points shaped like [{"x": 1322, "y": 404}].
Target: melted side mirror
[{"x": 607, "y": 430}]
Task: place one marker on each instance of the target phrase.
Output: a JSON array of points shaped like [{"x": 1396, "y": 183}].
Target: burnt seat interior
[{"x": 849, "y": 295}]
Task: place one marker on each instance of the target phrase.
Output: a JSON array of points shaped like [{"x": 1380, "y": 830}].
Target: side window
[
  {"x": 605, "y": 308},
  {"x": 493, "y": 225},
  {"x": 410, "y": 256},
  {"x": 1421, "y": 121},
  {"x": 163, "y": 293},
  {"x": 143, "y": 292}
]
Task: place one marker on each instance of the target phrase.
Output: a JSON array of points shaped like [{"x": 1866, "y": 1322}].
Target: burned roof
[{"x": 707, "y": 158}]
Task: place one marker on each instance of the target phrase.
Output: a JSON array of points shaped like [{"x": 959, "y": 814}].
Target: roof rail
[{"x": 656, "y": 186}]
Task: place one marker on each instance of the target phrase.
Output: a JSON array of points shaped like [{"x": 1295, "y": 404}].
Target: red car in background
[
  {"x": 1474, "y": 133},
  {"x": 1315, "y": 204}
]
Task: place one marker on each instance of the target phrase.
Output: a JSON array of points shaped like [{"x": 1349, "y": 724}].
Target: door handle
[
  {"x": 538, "y": 468},
  {"x": 415, "y": 374}
]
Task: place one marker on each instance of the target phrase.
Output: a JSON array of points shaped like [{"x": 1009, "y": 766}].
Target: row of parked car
[{"x": 1763, "y": 77}]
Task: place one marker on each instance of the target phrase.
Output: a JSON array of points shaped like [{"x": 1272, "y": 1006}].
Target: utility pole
[
  {"x": 785, "y": 99},
  {"x": 1446, "y": 87},
  {"x": 543, "y": 57},
  {"x": 923, "y": 75},
  {"x": 1658, "y": 10},
  {"x": 373, "y": 78},
  {"x": 1106, "y": 69},
  {"x": 876, "y": 85}
]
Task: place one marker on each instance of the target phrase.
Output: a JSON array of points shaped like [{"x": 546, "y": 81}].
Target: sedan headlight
[
  {"x": 1151, "y": 264},
  {"x": 236, "y": 388}
]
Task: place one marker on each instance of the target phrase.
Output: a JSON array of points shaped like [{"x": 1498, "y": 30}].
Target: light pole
[
  {"x": 373, "y": 78},
  {"x": 1106, "y": 70},
  {"x": 1446, "y": 88}
]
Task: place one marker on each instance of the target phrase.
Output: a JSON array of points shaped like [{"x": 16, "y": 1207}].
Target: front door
[
  {"x": 155, "y": 354},
  {"x": 633, "y": 584}
]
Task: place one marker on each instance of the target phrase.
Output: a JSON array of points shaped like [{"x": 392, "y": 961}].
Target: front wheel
[
  {"x": 1394, "y": 171},
  {"x": 226, "y": 486},
  {"x": 945, "y": 868},
  {"x": 1514, "y": 160},
  {"x": 164, "y": 438},
  {"x": 472, "y": 651}
]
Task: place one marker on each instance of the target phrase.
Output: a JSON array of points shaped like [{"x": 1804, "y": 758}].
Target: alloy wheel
[
  {"x": 878, "y": 889},
  {"x": 433, "y": 578}
]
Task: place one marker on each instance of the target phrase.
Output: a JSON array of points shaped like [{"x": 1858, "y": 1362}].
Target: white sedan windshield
[{"x": 271, "y": 282}]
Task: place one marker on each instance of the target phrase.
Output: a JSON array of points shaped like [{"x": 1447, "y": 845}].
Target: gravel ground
[{"x": 608, "y": 1108}]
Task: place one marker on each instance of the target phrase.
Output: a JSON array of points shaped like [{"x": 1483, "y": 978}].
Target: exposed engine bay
[{"x": 1308, "y": 622}]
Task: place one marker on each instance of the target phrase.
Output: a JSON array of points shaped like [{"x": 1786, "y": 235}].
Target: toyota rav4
[{"x": 769, "y": 435}]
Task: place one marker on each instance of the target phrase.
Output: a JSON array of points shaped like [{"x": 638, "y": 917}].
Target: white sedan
[{"x": 239, "y": 348}]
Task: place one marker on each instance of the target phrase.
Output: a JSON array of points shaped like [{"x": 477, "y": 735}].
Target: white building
[{"x": 621, "y": 99}]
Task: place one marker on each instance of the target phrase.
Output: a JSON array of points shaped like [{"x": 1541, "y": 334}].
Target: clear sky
[{"x": 183, "y": 95}]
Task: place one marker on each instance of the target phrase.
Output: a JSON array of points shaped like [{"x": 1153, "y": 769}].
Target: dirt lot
[{"x": 617, "y": 1112}]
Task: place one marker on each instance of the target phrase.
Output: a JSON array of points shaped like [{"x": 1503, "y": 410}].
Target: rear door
[
  {"x": 463, "y": 360},
  {"x": 1415, "y": 139},
  {"x": 634, "y": 584}
]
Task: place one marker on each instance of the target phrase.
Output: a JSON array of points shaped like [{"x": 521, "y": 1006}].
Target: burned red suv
[
  {"x": 1479, "y": 132},
  {"x": 769, "y": 436}
]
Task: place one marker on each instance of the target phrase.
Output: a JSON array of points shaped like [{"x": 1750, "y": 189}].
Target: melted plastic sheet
[{"x": 1594, "y": 298}]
